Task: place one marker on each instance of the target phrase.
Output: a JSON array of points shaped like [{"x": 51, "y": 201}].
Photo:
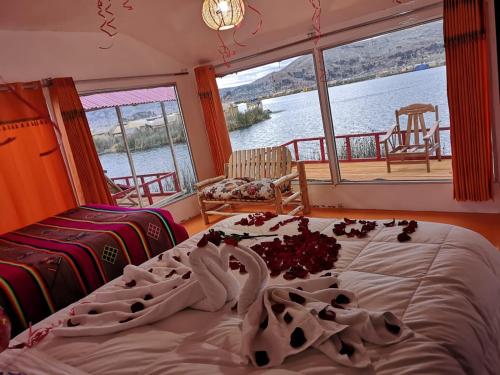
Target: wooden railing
[
  {"x": 151, "y": 185},
  {"x": 347, "y": 156}
]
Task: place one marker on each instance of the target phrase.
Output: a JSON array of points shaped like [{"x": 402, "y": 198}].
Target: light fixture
[{"x": 223, "y": 14}]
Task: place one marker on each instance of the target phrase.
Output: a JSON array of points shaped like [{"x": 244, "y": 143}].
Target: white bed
[{"x": 444, "y": 284}]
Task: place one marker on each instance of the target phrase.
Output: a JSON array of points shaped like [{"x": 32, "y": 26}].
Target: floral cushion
[
  {"x": 222, "y": 190},
  {"x": 258, "y": 189}
]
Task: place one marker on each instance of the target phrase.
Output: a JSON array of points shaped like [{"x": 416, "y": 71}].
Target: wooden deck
[{"x": 377, "y": 170}]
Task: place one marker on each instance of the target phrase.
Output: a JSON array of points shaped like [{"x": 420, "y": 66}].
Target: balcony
[{"x": 362, "y": 158}]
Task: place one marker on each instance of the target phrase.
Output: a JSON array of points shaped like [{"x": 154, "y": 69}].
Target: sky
[{"x": 247, "y": 76}]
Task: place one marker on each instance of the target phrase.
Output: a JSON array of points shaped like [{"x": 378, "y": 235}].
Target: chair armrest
[
  {"x": 284, "y": 179},
  {"x": 209, "y": 181},
  {"x": 432, "y": 131},
  {"x": 388, "y": 134}
]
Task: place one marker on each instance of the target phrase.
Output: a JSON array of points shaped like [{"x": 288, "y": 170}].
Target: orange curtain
[
  {"x": 468, "y": 98},
  {"x": 83, "y": 162},
  {"x": 218, "y": 135},
  {"x": 33, "y": 179}
]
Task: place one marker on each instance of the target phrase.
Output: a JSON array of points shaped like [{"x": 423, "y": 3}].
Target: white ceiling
[{"x": 171, "y": 30}]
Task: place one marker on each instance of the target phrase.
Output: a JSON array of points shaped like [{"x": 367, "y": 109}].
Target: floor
[
  {"x": 486, "y": 224},
  {"x": 377, "y": 170}
]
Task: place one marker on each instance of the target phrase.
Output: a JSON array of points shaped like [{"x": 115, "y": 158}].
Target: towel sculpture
[{"x": 278, "y": 321}]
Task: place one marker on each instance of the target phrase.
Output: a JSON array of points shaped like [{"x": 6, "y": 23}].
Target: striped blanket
[{"x": 52, "y": 263}]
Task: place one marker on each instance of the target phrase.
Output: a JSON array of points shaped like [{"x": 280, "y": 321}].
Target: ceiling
[{"x": 171, "y": 28}]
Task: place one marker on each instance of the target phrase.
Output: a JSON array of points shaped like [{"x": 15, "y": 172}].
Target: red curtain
[
  {"x": 468, "y": 98},
  {"x": 218, "y": 135},
  {"x": 33, "y": 178},
  {"x": 83, "y": 161}
]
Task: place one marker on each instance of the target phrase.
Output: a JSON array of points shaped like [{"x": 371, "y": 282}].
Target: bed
[
  {"x": 50, "y": 264},
  {"x": 444, "y": 284}
]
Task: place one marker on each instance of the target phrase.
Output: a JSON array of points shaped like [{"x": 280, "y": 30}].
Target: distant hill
[{"x": 384, "y": 55}]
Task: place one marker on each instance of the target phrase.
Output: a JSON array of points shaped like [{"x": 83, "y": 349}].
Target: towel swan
[{"x": 151, "y": 295}]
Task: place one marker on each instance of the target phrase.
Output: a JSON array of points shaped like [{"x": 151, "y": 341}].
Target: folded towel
[
  {"x": 257, "y": 274},
  {"x": 285, "y": 321},
  {"x": 146, "y": 296}
]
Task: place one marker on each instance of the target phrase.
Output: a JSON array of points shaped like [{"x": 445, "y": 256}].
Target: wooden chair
[
  {"x": 262, "y": 163},
  {"x": 405, "y": 147},
  {"x": 121, "y": 196}
]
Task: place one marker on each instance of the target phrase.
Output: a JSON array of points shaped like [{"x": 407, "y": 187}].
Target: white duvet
[{"x": 444, "y": 285}]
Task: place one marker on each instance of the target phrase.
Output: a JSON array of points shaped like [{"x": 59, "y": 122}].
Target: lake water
[{"x": 360, "y": 107}]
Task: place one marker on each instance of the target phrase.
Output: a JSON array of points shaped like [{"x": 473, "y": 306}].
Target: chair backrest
[
  {"x": 415, "y": 122},
  {"x": 269, "y": 162}
]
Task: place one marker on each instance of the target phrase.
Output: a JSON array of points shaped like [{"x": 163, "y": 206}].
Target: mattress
[
  {"x": 444, "y": 284},
  {"x": 50, "y": 264}
]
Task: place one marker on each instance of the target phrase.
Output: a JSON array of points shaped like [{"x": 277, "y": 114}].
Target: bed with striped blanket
[{"x": 50, "y": 264}]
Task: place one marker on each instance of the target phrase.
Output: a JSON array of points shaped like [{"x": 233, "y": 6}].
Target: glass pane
[
  {"x": 277, "y": 104},
  {"x": 151, "y": 128},
  {"x": 110, "y": 145},
  {"x": 368, "y": 81}
]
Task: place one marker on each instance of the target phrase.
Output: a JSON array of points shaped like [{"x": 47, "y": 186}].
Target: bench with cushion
[{"x": 258, "y": 176}]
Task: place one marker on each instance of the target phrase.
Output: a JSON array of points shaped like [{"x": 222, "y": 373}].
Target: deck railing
[
  {"x": 151, "y": 185},
  {"x": 350, "y": 147}
]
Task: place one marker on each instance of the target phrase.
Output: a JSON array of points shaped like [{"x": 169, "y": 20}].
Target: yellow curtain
[
  {"x": 83, "y": 161},
  {"x": 469, "y": 99},
  {"x": 33, "y": 178},
  {"x": 218, "y": 135}
]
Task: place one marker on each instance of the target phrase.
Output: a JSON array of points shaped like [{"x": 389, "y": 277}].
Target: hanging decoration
[
  {"x": 108, "y": 18},
  {"x": 316, "y": 20}
]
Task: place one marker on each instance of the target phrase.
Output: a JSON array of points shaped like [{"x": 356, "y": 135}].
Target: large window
[
  {"x": 142, "y": 145},
  {"x": 277, "y": 104},
  {"x": 368, "y": 81}
]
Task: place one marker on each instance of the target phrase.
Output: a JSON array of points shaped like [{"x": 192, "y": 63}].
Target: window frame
[
  {"x": 319, "y": 53},
  {"x": 177, "y": 197}
]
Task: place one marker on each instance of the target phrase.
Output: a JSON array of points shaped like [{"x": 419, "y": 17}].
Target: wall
[
  {"x": 422, "y": 196},
  {"x": 41, "y": 54}
]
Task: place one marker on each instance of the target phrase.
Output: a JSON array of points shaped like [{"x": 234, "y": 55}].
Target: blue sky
[{"x": 247, "y": 76}]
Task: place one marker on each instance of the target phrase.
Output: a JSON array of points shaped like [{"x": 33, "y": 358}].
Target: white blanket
[
  {"x": 444, "y": 285},
  {"x": 278, "y": 321}
]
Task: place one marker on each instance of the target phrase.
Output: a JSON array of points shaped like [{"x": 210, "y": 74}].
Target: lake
[{"x": 360, "y": 107}]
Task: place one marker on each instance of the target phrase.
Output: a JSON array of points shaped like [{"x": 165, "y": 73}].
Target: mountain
[{"x": 383, "y": 55}]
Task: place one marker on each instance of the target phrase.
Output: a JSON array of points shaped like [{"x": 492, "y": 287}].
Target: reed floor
[
  {"x": 486, "y": 224},
  {"x": 377, "y": 170}
]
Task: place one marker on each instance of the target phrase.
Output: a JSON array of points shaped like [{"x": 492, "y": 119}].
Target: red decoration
[
  {"x": 36, "y": 336},
  {"x": 299, "y": 255},
  {"x": 316, "y": 20},
  {"x": 257, "y": 219},
  {"x": 126, "y": 5}
]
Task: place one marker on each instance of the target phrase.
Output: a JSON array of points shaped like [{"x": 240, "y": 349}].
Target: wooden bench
[{"x": 273, "y": 164}]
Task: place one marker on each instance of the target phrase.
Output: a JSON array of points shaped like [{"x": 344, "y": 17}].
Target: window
[
  {"x": 142, "y": 145},
  {"x": 277, "y": 104},
  {"x": 368, "y": 81}
]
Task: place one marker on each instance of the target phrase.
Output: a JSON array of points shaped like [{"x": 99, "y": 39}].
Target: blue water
[{"x": 359, "y": 107}]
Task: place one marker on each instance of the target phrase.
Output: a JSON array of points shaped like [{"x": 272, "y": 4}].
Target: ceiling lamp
[{"x": 223, "y": 14}]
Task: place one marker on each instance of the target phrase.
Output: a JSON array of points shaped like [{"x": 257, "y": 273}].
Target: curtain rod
[
  {"x": 96, "y": 80},
  {"x": 345, "y": 29},
  {"x": 46, "y": 82}
]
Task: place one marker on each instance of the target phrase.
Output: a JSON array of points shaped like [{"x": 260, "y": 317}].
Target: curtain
[
  {"x": 468, "y": 99},
  {"x": 33, "y": 179},
  {"x": 218, "y": 135},
  {"x": 83, "y": 161}
]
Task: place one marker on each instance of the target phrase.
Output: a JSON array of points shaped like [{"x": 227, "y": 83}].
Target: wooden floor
[
  {"x": 486, "y": 224},
  {"x": 377, "y": 170}
]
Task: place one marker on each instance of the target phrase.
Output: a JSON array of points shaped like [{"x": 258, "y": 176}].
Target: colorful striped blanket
[{"x": 52, "y": 263}]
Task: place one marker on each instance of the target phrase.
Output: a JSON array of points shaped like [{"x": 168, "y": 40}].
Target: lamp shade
[{"x": 223, "y": 14}]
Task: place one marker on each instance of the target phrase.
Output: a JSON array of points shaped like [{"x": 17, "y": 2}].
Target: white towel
[
  {"x": 285, "y": 321},
  {"x": 258, "y": 274},
  {"x": 146, "y": 296}
]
